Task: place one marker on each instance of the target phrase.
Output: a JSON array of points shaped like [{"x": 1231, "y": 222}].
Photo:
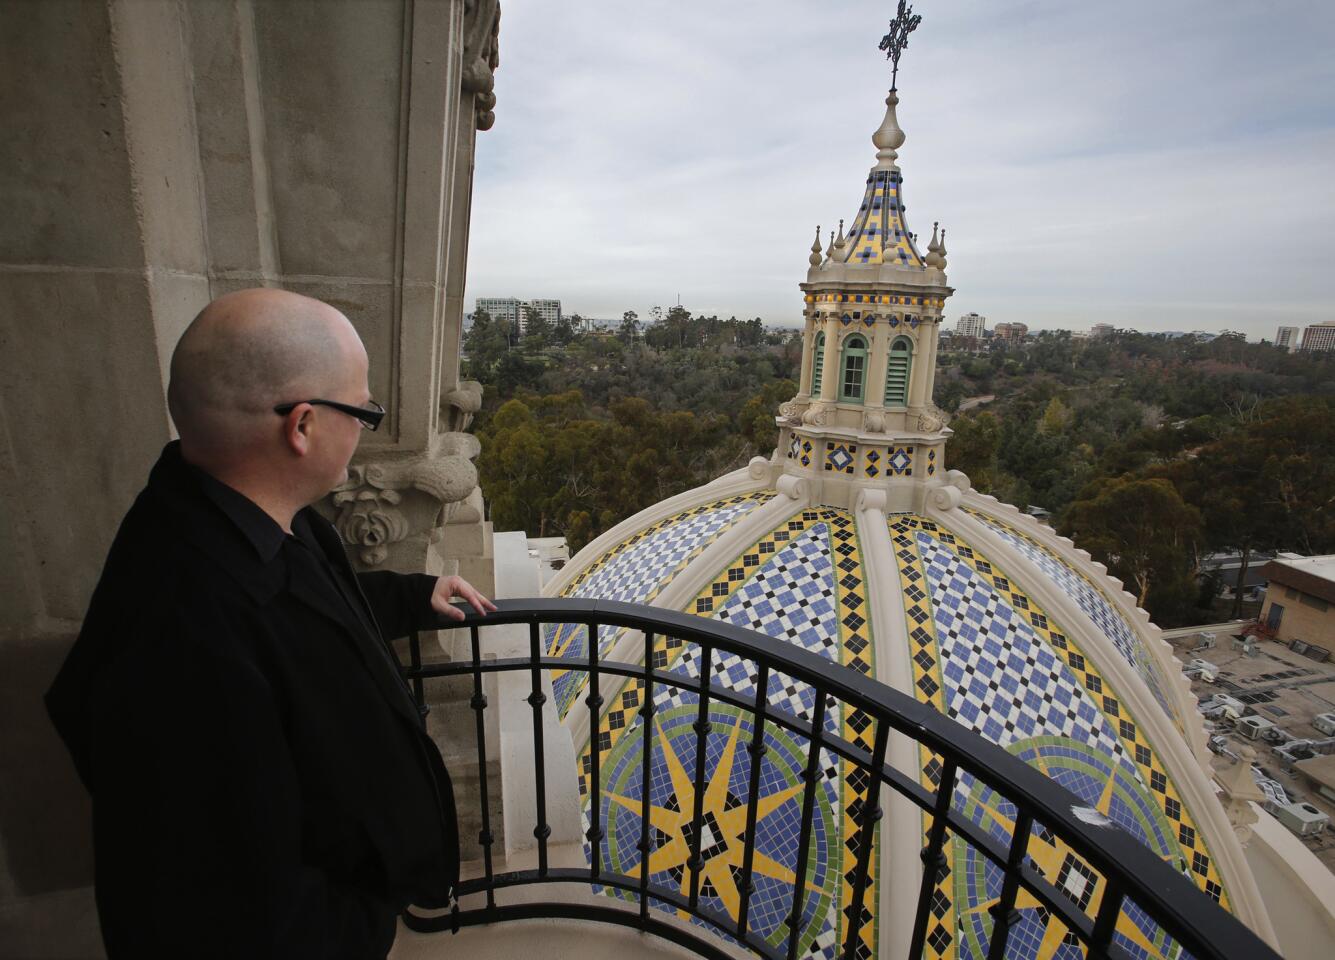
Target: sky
[{"x": 1162, "y": 165}]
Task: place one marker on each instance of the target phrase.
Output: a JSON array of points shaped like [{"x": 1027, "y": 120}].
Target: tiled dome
[
  {"x": 976, "y": 610},
  {"x": 856, "y": 543}
]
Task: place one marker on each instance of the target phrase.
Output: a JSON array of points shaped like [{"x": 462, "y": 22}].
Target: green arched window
[
  {"x": 853, "y": 370},
  {"x": 817, "y": 364},
  {"x": 897, "y": 370}
]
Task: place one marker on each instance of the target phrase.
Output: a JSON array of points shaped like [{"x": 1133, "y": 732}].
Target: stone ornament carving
[
  {"x": 385, "y": 503},
  {"x": 458, "y": 406},
  {"x": 482, "y": 27},
  {"x": 873, "y": 421},
  {"x": 1239, "y": 791},
  {"x": 932, "y": 419},
  {"x": 814, "y": 415},
  {"x": 946, "y": 497},
  {"x": 791, "y": 411}
]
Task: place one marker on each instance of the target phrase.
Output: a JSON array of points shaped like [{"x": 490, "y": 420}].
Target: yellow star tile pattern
[
  {"x": 952, "y": 905},
  {"x": 854, "y": 650}
]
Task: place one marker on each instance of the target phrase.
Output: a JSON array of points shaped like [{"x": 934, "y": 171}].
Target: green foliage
[
  {"x": 1142, "y": 530},
  {"x": 549, "y": 468}
]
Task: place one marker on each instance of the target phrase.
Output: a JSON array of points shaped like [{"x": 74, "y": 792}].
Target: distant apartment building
[
  {"x": 1319, "y": 337},
  {"x": 517, "y": 311},
  {"x": 971, "y": 325},
  {"x": 1010, "y": 331},
  {"x": 1100, "y": 330},
  {"x": 549, "y": 310},
  {"x": 1287, "y": 337}
]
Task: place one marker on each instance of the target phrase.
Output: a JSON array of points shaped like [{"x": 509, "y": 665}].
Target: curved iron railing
[{"x": 1131, "y": 872}]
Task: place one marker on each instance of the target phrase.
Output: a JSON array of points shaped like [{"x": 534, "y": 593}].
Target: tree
[
  {"x": 1139, "y": 527},
  {"x": 973, "y": 448},
  {"x": 630, "y": 326}
]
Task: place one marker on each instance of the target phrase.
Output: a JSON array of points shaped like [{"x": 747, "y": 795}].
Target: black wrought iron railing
[{"x": 1131, "y": 877}]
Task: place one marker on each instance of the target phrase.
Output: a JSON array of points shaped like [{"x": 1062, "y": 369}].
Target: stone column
[
  {"x": 808, "y": 348},
  {"x": 876, "y": 363},
  {"x": 918, "y": 375},
  {"x": 829, "y": 390}
]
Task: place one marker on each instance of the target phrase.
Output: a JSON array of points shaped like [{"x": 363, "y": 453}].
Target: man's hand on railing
[{"x": 453, "y": 586}]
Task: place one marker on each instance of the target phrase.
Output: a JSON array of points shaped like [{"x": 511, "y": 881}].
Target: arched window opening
[
  {"x": 853, "y": 370},
  {"x": 817, "y": 364},
  {"x": 897, "y": 373}
]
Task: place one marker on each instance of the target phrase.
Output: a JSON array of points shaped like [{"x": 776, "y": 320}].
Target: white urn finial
[
  {"x": 815, "y": 258},
  {"x": 888, "y": 138}
]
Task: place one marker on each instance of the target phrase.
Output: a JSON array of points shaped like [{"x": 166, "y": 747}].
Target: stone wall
[{"x": 157, "y": 155}]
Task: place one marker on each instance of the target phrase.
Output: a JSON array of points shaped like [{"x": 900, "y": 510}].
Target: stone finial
[
  {"x": 941, "y": 250},
  {"x": 888, "y": 137},
  {"x": 1239, "y": 791},
  {"x": 815, "y": 258},
  {"x": 933, "y": 258},
  {"x": 829, "y": 251},
  {"x": 840, "y": 242}
]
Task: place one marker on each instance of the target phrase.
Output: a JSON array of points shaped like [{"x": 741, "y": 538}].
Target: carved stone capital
[
  {"x": 384, "y": 504},
  {"x": 932, "y": 419},
  {"x": 792, "y": 410},
  {"x": 814, "y": 415},
  {"x": 482, "y": 27}
]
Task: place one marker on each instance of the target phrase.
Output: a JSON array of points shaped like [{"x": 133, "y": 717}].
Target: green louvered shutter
[
  {"x": 817, "y": 364},
  {"x": 897, "y": 373}
]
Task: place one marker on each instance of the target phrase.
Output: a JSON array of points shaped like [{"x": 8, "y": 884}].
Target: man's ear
[{"x": 297, "y": 428}]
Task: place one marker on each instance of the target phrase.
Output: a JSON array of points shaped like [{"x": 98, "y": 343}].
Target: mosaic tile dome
[{"x": 853, "y": 541}]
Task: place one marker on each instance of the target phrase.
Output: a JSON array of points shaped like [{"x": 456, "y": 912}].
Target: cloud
[{"x": 1161, "y": 166}]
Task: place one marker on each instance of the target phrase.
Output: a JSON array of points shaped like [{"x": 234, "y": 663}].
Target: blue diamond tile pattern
[
  {"x": 900, "y": 460},
  {"x": 1001, "y": 681},
  {"x": 1095, "y": 605},
  {"x": 635, "y": 572},
  {"x": 791, "y": 598}
]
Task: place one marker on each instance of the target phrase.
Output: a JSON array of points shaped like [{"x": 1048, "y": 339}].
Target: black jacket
[{"x": 261, "y": 786}]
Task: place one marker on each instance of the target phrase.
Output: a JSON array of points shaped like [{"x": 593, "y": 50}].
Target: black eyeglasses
[{"x": 370, "y": 418}]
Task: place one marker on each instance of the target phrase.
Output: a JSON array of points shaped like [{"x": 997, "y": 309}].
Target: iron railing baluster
[
  {"x": 756, "y": 748},
  {"x": 701, "y": 727},
  {"x": 594, "y": 701},
  {"x": 1105, "y": 921},
  {"x": 933, "y": 857},
  {"x": 812, "y": 776},
  {"x": 868, "y": 814},
  {"x": 415, "y": 672},
  {"x": 1004, "y": 915},
  {"x": 536, "y": 698},
  {"x": 646, "y": 768},
  {"x": 479, "y": 704}
]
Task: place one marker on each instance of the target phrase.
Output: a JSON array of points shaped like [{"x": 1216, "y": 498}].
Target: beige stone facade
[
  {"x": 157, "y": 155},
  {"x": 1299, "y": 601}
]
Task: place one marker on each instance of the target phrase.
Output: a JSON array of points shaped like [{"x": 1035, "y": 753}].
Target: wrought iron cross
[{"x": 896, "y": 41}]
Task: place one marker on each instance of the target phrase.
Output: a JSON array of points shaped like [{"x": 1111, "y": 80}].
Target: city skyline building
[
  {"x": 1287, "y": 337},
  {"x": 518, "y": 311},
  {"x": 1319, "y": 337},
  {"x": 971, "y": 325}
]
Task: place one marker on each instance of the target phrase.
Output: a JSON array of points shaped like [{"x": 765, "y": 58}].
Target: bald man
[{"x": 261, "y": 785}]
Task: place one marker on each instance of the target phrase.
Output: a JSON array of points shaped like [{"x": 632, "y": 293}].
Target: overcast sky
[{"x": 1162, "y": 165}]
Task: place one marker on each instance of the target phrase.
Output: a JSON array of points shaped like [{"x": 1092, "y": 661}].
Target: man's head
[{"x": 248, "y": 352}]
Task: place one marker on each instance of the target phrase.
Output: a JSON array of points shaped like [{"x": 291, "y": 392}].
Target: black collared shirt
[{"x": 300, "y": 549}]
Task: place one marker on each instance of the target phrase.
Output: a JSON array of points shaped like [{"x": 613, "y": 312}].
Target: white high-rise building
[
  {"x": 1287, "y": 337},
  {"x": 971, "y": 325},
  {"x": 517, "y": 311},
  {"x": 1320, "y": 337}
]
